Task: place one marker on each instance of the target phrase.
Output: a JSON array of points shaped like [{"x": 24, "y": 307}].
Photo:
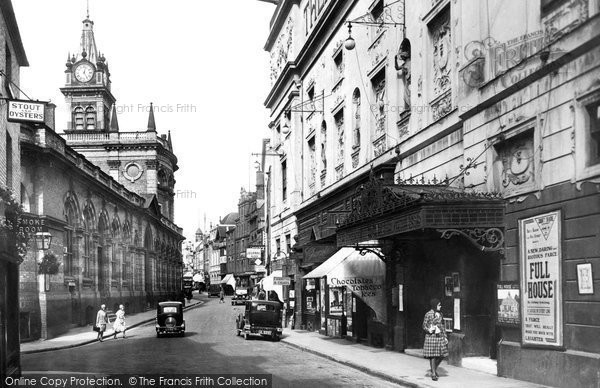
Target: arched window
[
  {"x": 69, "y": 239},
  {"x": 88, "y": 227},
  {"x": 90, "y": 119},
  {"x": 78, "y": 118},
  {"x": 162, "y": 177}
]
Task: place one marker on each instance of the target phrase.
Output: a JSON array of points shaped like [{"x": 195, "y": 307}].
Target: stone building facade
[
  {"x": 216, "y": 247},
  {"x": 99, "y": 192},
  {"x": 468, "y": 165},
  {"x": 12, "y": 57},
  {"x": 114, "y": 246}
]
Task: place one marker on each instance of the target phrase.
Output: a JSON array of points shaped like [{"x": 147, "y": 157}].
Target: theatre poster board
[{"x": 541, "y": 280}]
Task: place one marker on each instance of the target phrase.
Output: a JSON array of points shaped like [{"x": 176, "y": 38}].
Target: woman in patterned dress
[
  {"x": 436, "y": 342},
  {"x": 101, "y": 321},
  {"x": 119, "y": 325}
]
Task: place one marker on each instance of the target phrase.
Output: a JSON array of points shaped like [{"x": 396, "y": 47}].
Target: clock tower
[
  {"x": 87, "y": 86},
  {"x": 142, "y": 161}
]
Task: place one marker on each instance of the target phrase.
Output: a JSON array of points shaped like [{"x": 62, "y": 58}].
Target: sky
[{"x": 202, "y": 65}]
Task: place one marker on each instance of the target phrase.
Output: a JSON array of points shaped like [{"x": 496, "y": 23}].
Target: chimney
[
  {"x": 49, "y": 118},
  {"x": 260, "y": 185}
]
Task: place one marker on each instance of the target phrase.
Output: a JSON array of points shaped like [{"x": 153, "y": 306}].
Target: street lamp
[
  {"x": 350, "y": 43},
  {"x": 43, "y": 240}
]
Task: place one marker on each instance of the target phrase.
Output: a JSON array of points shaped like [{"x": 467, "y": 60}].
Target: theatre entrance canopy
[{"x": 379, "y": 211}]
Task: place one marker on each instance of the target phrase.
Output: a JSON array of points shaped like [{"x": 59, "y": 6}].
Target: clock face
[{"x": 84, "y": 72}]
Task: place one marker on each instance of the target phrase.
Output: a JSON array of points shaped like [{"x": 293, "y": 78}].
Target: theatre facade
[{"x": 403, "y": 243}]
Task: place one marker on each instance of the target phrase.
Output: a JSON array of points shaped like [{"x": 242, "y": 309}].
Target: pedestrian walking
[
  {"x": 119, "y": 325},
  {"x": 101, "y": 321},
  {"x": 436, "y": 341},
  {"x": 262, "y": 295},
  {"x": 222, "y": 295}
]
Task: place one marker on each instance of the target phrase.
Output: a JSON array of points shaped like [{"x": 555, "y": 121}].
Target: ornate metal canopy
[{"x": 379, "y": 210}]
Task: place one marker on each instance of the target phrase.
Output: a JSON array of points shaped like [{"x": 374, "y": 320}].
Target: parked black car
[
  {"x": 169, "y": 319},
  {"x": 261, "y": 317}
]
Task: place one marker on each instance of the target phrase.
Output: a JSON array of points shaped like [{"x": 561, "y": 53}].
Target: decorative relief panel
[
  {"x": 339, "y": 124},
  {"x": 380, "y": 104},
  {"x": 564, "y": 19},
  {"x": 312, "y": 174},
  {"x": 441, "y": 38},
  {"x": 442, "y": 105},
  {"x": 339, "y": 172},
  {"x": 379, "y": 146},
  {"x": 281, "y": 50},
  {"x": 515, "y": 164},
  {"x": 355, "y": 158}
]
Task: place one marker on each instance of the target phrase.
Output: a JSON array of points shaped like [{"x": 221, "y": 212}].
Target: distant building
[
  {"x": 217, "y": 248},
  {"x": 249, "y": 236}
]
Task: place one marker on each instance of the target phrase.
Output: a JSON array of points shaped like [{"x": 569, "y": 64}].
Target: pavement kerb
[
  {"x": 87, "y": 342},
  {"x": 359, "y": 367}
]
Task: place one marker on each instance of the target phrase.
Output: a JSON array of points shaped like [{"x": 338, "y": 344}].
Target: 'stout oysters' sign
[{"x": 26, "y": 111}]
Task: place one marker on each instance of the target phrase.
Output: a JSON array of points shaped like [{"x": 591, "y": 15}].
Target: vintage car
[
  {"x": 169, "y": 319},
  {"x": 239, "y": 297},
  {"x": 260, "y": 317},
  {"x": 214, "y": 290}
]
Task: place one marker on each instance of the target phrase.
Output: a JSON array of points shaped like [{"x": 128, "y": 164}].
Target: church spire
[
  {"x": 88, "y": 48},
  {"x": 151, "y": 123},
  {"x": 114, "y": 123}
]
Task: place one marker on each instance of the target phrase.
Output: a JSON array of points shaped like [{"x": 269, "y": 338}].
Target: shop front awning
[
  {"x": 229, "y": 279},
  {"x": 329, "y": 264},
  {"x": 361, "y": 273}
]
